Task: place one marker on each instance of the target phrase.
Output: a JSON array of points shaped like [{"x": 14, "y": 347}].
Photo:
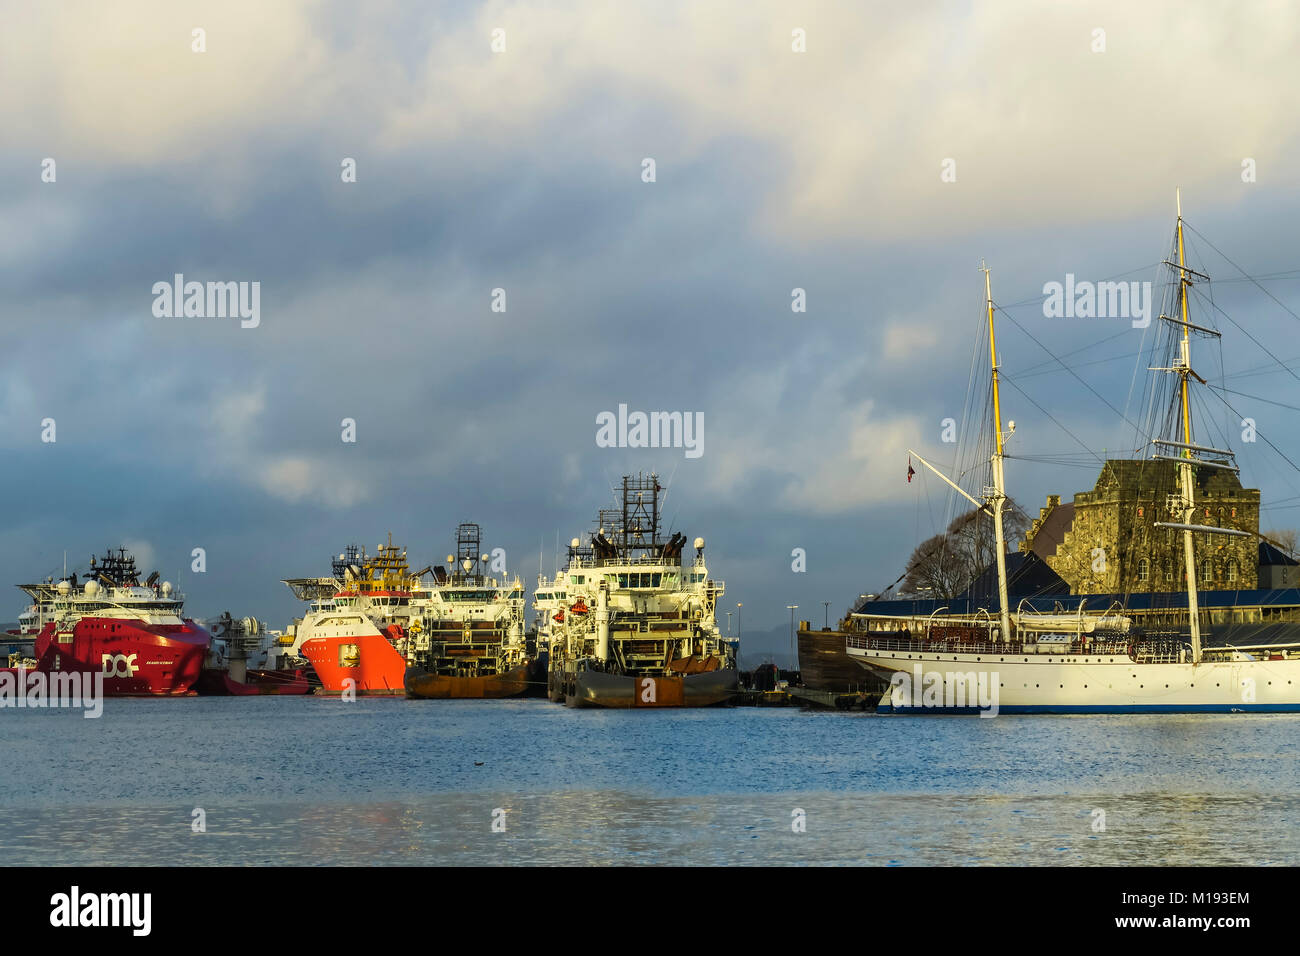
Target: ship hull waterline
[
  {"x": 375, "y": 668},
  {"x": 516, "y": 682},
  {"x": 1107, "y": 684},
  {"x": 136, "y": 659},
  {"x": 590, "y": 688},
  {"x": 259, "y": 683}
]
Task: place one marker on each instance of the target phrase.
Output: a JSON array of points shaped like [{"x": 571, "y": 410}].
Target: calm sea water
[{"x": 321, "y": 781}]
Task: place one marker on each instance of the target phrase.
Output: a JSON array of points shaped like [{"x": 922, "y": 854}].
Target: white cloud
[
  {"x": 858, "y": 125},
  {"x": 827, "y": 454},
  {"x": 296, "y": 478},
  {"x": 146, "y": 558},
  {"x": 901, "y": 339}
]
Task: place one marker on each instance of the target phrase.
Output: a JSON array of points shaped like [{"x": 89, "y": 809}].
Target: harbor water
[{"x": 304, "y": 781}]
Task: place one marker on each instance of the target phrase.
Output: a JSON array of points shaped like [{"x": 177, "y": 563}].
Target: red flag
[{"x": 910, "y": 470}]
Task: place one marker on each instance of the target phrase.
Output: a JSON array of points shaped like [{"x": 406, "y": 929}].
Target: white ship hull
[{"x": 1043, "y": 684}]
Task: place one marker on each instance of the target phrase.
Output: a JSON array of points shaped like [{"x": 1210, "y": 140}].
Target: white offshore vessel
[
  {"x": 467, "y": 631},
  {"x": 634, "y": 623},
  {"x": 1090, "y": 661}
]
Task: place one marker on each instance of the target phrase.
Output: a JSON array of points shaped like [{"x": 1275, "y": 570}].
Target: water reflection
[{"x": 596, "y": 828}]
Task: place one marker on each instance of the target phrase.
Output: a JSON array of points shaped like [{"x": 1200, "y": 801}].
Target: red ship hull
[
  {"x": 136, "y": 659},
  {"x": 379, "y": 670},
  {"x": 219, "y": 683}
]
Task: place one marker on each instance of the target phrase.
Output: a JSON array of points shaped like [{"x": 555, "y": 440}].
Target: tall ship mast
[
  {"x": 1087, "y": 661},
  {"x": 111, "y": 621},
  {"x": 468, "y": 638},
  {"x": 634, "y": 621}
]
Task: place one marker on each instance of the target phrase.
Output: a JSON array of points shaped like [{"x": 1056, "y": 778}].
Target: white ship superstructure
[
  {"x": 468, "y": 622},
  {"x": 632, "y": 621}
]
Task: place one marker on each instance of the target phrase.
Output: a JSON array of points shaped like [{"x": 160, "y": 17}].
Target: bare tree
[
  {"x": 935, "y": 569},
  {"x": 945, "y": 565}
]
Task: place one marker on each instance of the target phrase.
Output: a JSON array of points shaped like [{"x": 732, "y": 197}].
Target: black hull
[{"x": 825, "y": 665}]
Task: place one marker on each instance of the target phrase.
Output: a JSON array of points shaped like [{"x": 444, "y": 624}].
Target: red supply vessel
[{"x": 129, "y": 630}]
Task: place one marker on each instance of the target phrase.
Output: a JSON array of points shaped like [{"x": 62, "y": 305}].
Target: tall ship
[
  {"x": 1000, "y": 659},
  {"x": 356, "y": 631},
  {"x": 634, "y": 623},
  {"x": 111, "y": 622},
  {"x": 467, "y": 635}
]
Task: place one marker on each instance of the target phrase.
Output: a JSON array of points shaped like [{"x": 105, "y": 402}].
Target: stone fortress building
[{"x": 1106, "y": 542}]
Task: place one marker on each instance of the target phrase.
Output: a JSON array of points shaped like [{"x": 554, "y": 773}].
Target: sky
[{"x": 870, "y": 155}]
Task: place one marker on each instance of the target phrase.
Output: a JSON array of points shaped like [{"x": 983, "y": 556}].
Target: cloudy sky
[{"x": 874, "y": 169}]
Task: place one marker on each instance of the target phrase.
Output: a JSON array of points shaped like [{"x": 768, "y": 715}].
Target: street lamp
[
  {"x": 826, "y": 621},
  {"x": 793, "y": 656},
  {"x": 740, "y": 624}
]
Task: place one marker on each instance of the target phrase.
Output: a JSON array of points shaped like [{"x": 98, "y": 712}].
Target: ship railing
[
  {"x": 937, "y": 645},
  {"x": 958, "y": 644}
]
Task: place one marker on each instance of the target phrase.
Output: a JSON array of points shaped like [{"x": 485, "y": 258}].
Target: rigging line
[
  {"x": 1272, "y": 277},
  {"x": 1137, "y": 365},
  {"x": 1058, "y": 464},
  {"x": 1266, "y": 401},
  {"x": 1260, "y": 434},
  {"x": 1243, "y": 272},
  {"x": 1071, "y": 371},
  {"x": 1261, "y": 345},
  {"x": 1109, "y": 338},
  {"x": 1265, "y": 369},
  {"x": 1044, "y": 370},
  {"x": 1008, "y": 381}
]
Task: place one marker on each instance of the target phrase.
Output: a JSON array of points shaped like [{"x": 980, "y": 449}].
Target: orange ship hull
[{"x": 370, "y": 661}]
